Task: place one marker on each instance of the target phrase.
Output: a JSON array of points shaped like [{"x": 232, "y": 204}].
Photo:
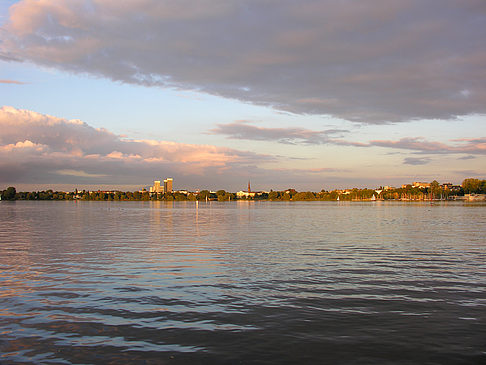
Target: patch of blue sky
[
  {"x": 153, "y": 112},
  {"x": 4, "y": 6}
]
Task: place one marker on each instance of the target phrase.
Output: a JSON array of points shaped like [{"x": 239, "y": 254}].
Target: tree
[
  {"x": 307, "y": 195},
  {"x": 435, "y": 189},
  {"x": 203, "y": 194},
  {"x": 273, "y": 195},
  {"x": 471, "y": 186},
  {"x": 180, "y": 196},
  {"x": 483, "y": 187},
  {"x": 9, "y": 194}
]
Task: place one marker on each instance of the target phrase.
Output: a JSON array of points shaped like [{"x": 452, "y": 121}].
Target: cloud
[
  {"x": 309, "y": 171},
  {"x": 469, "y": 173},
  {"x": 39, "y": 148},
  {"x": 374, "y": 62},
  {"x": 295, "y": 135},
  {"x": 469, "y": 146},
  {"x": 468, "y": 157},
  {"x": 244, "y": 130},
  {"x": 79, "y": 173},
  {"x": 43, "y": 150},
  {"x": 11, "y": 82},
  {"x": 416, "y": 161}
]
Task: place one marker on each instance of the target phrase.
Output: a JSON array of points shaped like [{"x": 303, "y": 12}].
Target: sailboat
[{"x": 373, "y": 197}]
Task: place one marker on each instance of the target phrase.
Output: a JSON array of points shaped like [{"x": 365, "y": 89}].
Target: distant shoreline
[
  {"x": 463, "y": 200},
  {"x": 470, "y": 190}
]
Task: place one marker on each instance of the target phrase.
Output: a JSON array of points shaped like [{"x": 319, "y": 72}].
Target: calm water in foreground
[{"x": 237, "y": 282}]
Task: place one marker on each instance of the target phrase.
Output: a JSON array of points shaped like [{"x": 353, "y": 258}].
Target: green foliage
[
  {"x": 307, "y": 195},
  {"x": 474, "y": 186},
  {"x": 273, "y": 195},
  {"x": 9, "y": 194},
  {"x": 179, "y": 196},
  {"x": 203, "y": 195}
]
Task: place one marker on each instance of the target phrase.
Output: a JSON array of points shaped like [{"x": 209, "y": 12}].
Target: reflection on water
[{"x": 240, "y": 282}]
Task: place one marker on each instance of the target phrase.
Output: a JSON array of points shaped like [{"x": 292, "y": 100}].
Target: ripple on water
[{"x": 118, "y": 282}]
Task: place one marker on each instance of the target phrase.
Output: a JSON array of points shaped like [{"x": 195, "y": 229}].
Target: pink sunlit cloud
[{"x": 44, "y": 147}]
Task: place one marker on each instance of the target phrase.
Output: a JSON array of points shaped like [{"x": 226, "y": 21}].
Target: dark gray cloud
[
  {"x": 373, "y": 62},
  {"x": 244, "y": 130},
  {"x": 416, "y": 161}
]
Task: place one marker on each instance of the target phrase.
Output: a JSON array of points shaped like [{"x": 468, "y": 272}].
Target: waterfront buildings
[
  {"x": 475, "y": 197},
  {"x": 245, "y": 194},
  {"x": 168, "y": 185},
  {"x": 157, "y": 188},
  {"x": 161, "y": 189},
  {"x": 417, "y": 184},
  {"x": 249, "y": 194},
  {"x": 421, "y": 185}
]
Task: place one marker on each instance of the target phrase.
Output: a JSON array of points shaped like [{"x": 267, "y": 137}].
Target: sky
[{"x": 308, "y": 95}]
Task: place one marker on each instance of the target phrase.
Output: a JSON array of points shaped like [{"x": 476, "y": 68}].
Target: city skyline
[
  {"x": 322, "y": 95},
  {"x": 167, "y": 187}
]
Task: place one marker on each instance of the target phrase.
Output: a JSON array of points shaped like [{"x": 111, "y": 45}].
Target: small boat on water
[{"x": 373, "y": 198}]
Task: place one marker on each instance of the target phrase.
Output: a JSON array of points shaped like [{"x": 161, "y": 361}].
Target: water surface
[{"x": 242, "y": 282}]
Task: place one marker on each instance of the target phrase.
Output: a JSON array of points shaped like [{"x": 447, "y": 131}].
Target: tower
[
  {"x": 249, "y": 189},
  {"x": 168, "y": 185}
]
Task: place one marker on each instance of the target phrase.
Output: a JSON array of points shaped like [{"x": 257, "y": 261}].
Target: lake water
[{"x": 242, "y": 283}]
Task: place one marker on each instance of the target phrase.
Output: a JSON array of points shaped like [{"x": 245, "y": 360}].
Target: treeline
[
  {"x": 408, "y": 192},
  {"x": 11, "y": 194},
  {"x": 474, "y": 186},
  {"x": 416, "y": 193},
  {"x": 323, "y": 195}
]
